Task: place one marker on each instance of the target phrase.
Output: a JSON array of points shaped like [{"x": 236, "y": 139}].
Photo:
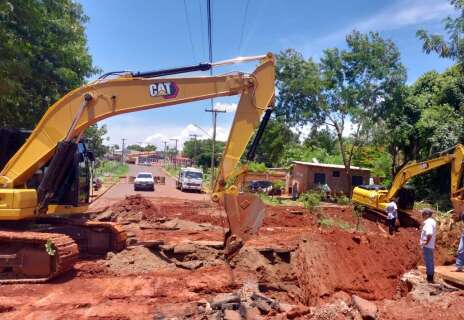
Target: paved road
[{"x": 122, "y": 189}]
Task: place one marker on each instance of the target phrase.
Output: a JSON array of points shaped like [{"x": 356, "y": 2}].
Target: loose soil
[{"x": 301, "y": 265}]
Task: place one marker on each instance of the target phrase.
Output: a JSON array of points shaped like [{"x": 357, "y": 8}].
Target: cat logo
[{"x": 167, "y": 90}]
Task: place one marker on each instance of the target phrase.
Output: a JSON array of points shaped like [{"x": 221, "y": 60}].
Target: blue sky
[{"x": 145, "y": 35}]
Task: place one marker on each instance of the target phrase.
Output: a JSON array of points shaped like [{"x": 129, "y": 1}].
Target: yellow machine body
[
  {"x": 378, "y": 199},
  {"x": 76, "y": 111}
]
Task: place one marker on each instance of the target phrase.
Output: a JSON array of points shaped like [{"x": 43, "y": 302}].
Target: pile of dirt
[
  {"x": 134, "y": 208},
  {"x": 367, "y": 265},
  {"x": 448, "y": 236},
  {"x": 136, "y": 260}
]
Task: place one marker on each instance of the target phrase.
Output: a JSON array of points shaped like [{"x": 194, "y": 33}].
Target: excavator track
[
  {"x": 35, "y": 257},
  {"x": 92, "y": 237}
]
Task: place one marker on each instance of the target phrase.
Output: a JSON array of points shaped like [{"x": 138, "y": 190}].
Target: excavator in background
[
  {"x": 44, "y": 186},
  {"x": 376, "y": 198}
]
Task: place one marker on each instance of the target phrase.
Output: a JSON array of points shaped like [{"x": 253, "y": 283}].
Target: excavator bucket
[{"x": 245, "y": 214}]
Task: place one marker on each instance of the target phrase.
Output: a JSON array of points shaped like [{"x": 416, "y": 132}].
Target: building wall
[{"x": 304, "y": 176}]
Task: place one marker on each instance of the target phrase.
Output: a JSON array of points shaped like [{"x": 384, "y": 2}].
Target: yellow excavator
[
  {"x": 376, "y": 197},
  {"x": 44, "y": 185}
]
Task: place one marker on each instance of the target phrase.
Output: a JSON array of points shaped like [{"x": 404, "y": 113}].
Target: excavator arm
[
  {"x": 378, "y": 199},
  {"x": 67, "y": 119}
]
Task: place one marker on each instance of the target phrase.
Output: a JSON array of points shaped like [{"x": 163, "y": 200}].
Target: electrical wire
[
  {"x": 210, "y": 32},
  {"x": 201, "y": 24},
  {"x": 243, "y": 26},
  {"x": 189, "y": 30}
]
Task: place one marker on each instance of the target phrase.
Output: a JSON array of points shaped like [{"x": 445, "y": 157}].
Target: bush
[
  {"x": 256, "y": 167},
  {"x": 311, "y": 199},
  {"x": 343, "y": 200}
]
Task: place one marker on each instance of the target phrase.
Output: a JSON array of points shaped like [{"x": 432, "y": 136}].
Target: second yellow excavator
[
  {"x": 46, "y": 183},
  {"x": 376, "y": 197}
]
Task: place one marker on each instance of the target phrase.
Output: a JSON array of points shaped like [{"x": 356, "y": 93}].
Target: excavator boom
[
  {"x": 54, "y": 144},
  {"x": 378, "y": 199}
]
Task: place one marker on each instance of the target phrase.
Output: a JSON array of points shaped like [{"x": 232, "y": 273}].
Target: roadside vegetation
[{"x": 111, "y": 170}]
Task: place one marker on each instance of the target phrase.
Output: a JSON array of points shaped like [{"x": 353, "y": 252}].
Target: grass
[
  {"x": 326, "y": 222},
  {"x": 173, "y": 171},
  {"x": 106, "y": 170},
  {"x": 269, "y": 200}
]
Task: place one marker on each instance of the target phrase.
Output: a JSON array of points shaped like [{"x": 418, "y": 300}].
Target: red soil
[{"x": 368, "y": 265}]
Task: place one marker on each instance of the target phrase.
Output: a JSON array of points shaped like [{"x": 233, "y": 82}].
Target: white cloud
[
  {"x": 228, "y": 107},
  {"x": 402, "y": 14}
]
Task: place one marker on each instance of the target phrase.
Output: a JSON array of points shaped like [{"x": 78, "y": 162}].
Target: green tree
[
  {"x": 93, "y": 137},
  {"x": 451, "y": 46},
  {"x": 274, "y": 142},
  {"x": 43, "y": 55},
  {"x": 137, "y": 147},
  {"x": 347, "y": 90},
  {"x": 200, "y": 151}
]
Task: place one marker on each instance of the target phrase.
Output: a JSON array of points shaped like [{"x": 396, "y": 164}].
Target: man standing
[
  {"x": 295, "y": 191},
  {"x": 460, "y": 257},
  {"x": 392, "y": 214},
  {"x": 427, "y": 242}
]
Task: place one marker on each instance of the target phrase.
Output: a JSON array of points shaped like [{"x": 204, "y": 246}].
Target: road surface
[{"x": 122, "y": 189}]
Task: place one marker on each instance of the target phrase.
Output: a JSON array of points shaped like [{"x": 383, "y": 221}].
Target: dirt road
[
  {"x": 301, "y": 265},
  {"x": 123, "y": 188}
]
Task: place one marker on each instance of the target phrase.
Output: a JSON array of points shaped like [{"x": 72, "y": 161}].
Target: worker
[
  {"x": 294, "y": 191},
  {"x": 392, "y": 214},
  {"x": 460, "y": 256},
  {"x": 427, "y": 242}
]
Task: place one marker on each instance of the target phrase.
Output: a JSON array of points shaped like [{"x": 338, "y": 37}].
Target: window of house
[
  {"x": 319, "y": 178},
  {"x": 336, "y": 174},
  {"x": 356, "y": 180}
]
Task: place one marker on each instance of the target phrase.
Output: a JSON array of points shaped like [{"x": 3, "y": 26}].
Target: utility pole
[
  {"x": 165, "y": 150},
  {"x": 214, "y": 112},
  {"x": 194, "y": 136},
  {"x": 175, "y": 161},
  {"x": 122, "y": 151}
]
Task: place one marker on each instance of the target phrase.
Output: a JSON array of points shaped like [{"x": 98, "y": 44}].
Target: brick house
[{"x": 309, "y": 175}]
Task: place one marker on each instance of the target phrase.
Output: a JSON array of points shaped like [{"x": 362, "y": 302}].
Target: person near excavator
[
  {"x": 460, "y": 255},
  {"x": 427, "y": 242},
  {"x": 392, "y": 214}
]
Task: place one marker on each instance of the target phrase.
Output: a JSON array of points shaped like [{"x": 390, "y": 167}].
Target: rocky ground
[{"x": 301, "y": 265}]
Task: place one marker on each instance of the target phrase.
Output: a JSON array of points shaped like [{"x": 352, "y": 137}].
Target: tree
[
  {"x": 347, "y": 90},
  {"x": 93, "y": 137},
  {"x": 43, "y": 55},
  {"x": 200, "y": 151},
  {"x": 453, "y": 46},
  {"x": 276, "y": 138},
  {"x": 137, "y": 147}
]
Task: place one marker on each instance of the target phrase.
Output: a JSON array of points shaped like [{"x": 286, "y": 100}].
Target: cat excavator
[
  {"x": 376, "y": 198},
  {"x": 44, "y": 185}
]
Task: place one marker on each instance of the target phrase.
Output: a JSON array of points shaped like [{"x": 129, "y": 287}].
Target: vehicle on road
[
  {"x": 190, "y": 179},
  {"x": 144, "y": 181},
  {"x": 45, "y": 175},
  {"x": 260, "y": 186}
]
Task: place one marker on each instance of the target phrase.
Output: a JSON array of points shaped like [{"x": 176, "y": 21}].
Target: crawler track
[{"x": 24, "y": 257}]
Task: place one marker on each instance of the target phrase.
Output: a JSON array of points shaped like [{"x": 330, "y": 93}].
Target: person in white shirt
[
  {"x": 392, "y": 214},
  {"x": 427, "y": 242}
]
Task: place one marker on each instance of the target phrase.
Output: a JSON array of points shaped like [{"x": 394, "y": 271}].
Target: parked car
[
  {"x": 260, "y": 186},
  {"x": 144, "y": 180},
  {"x": 190, "y": 179}
]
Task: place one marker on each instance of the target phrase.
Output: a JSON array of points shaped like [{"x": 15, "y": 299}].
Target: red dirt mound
[
  {"x": 134, "y": 209},
  {"x": 366, "y": 265}
]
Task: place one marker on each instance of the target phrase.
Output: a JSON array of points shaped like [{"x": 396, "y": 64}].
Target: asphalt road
[{"x": 120, "y": 190}]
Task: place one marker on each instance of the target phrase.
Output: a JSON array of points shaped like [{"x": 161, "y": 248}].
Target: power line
[
  {"x": 210, "y": 33},
  {"x": 201, "y": 23},
  {"x": 189, "y": 30},
  {"x": 243, "y": 25}
]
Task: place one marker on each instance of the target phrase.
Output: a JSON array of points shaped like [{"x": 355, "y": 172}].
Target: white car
[{"x": 144, "y": 180}]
